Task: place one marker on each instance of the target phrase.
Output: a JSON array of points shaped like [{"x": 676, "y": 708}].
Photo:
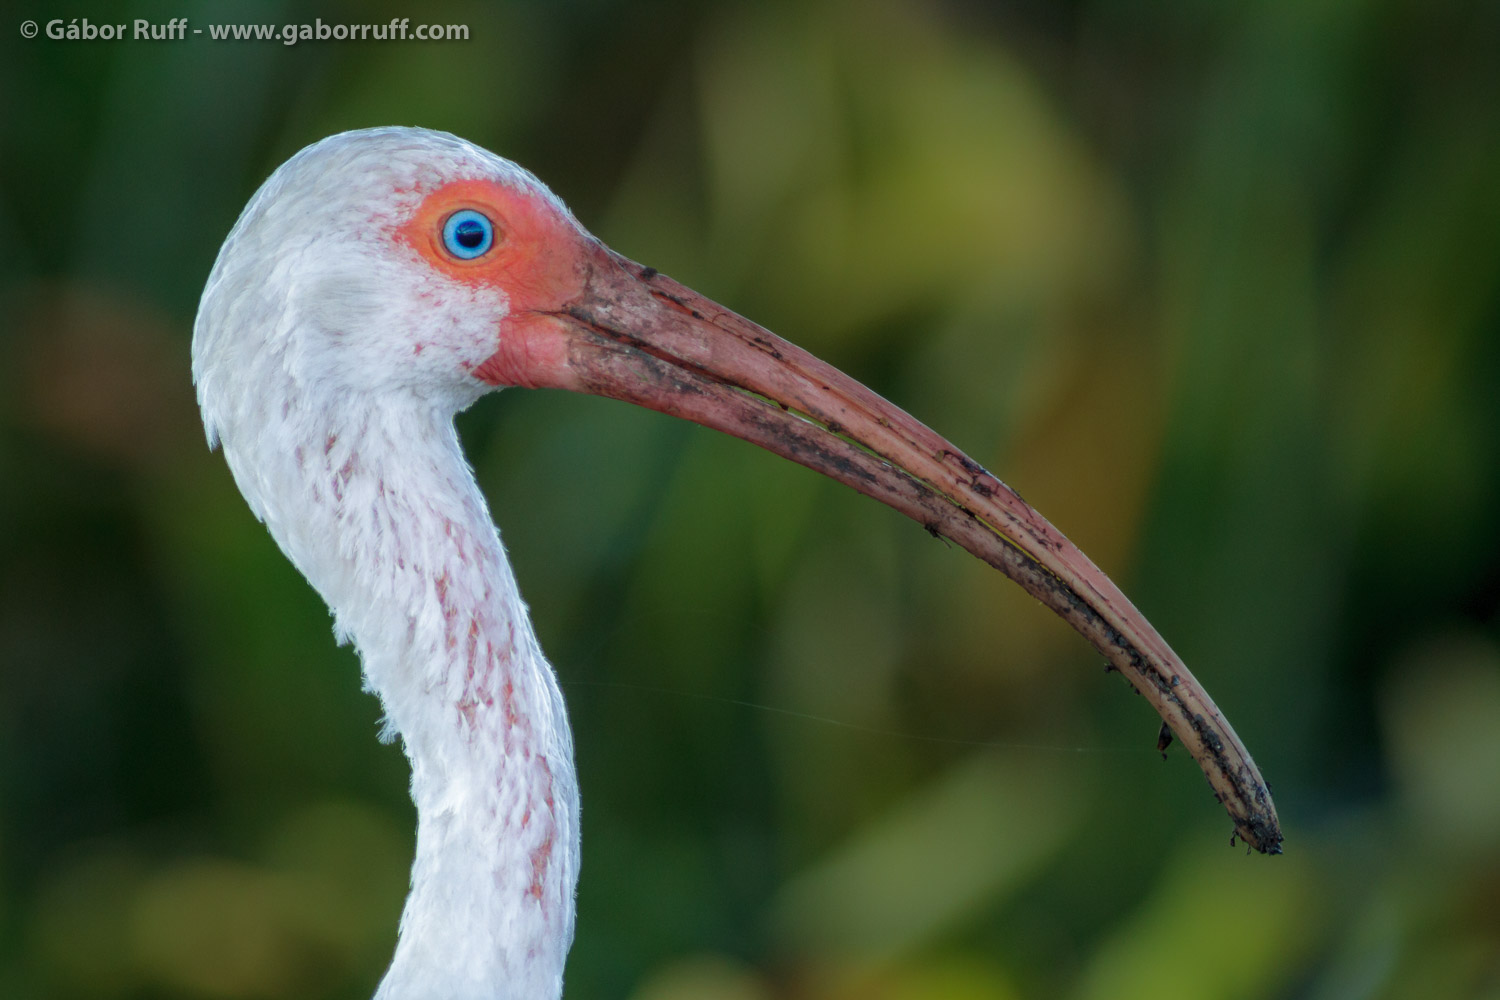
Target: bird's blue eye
[{"x": 468, "y": 234}]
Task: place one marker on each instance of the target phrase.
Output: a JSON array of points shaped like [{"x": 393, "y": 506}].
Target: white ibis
[{"x": 381, "y": 281}]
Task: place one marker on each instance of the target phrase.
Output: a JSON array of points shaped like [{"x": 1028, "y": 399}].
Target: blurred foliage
[{"x": 1216, "y": 286}]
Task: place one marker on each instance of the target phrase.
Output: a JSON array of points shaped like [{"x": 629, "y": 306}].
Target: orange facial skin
[
  {"x": 539, "y": 260},
  {"x": 584, "y": 319}
]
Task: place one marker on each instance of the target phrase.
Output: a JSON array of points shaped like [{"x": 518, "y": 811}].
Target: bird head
[
  {"x": 403, "y": 264},
  {"x": 395, "y": 261}
]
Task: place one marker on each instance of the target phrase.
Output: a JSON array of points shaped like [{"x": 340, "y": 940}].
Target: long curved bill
[{"x": 637, "y": 335}]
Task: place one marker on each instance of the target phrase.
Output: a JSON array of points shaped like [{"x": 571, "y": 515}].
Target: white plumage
[
  {"x": 339, "y": 432},
  {"x": 346, "y": 321}
]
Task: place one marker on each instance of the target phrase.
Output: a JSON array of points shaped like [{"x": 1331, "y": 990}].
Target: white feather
[{"x": 340, "y": 435}]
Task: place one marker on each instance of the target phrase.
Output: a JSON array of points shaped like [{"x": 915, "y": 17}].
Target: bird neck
[{"x": 406, "y": 555}]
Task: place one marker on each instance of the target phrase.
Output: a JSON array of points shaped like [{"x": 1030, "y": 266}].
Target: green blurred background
[{"x": 1215, "y": 286}]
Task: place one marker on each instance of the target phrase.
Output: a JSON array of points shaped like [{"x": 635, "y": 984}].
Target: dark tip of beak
[{"x": 636, "y": 335}]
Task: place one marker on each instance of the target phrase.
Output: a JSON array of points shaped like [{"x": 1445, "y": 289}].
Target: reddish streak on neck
[{"x": 541, "y": 858}]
